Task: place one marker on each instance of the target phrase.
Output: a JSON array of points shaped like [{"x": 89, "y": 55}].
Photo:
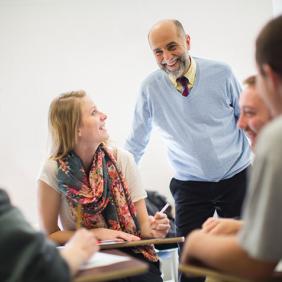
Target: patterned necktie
[{"x": 183, "y": 81}]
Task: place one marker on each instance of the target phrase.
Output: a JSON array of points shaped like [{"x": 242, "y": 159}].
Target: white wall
[
  {"x": 48, "y": 47},
  {"x": 277, "y": 7}
]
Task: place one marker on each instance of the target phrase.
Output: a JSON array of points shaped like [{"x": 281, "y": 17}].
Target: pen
[
  {"x": 78, "y": 216},
  {"x": 164, "y": 208}
]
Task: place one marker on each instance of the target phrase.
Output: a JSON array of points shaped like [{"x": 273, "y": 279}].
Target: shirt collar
[{"x": 190, "y": 74}]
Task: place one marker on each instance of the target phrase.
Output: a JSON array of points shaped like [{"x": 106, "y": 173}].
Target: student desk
[
  {"x": 124, "y": 269},
  {"x": 216, "y": 276},
  {"x": 143, "y": 242},
  {"x": 118, "y": 270}
]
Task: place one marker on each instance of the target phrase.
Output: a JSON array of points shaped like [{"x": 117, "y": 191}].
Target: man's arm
[
  {"x": 141, "y": 128},
  {"x": 224, "y": 253},
  {"x": 234, "y": 89}
]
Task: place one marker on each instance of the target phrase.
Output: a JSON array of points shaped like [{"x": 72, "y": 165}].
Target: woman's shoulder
[
  {"x": 48, "y": 173},
  {"x": 48, "y": 169},
  {"x": 50, "y": 165}
]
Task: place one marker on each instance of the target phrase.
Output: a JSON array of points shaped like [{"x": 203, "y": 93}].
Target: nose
[
  {"x": 103, "y": 116},
  {"x": 166, "y": 55},
  {"x": 242, "y": 121}
]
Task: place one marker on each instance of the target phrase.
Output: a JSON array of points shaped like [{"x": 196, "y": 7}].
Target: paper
[
  {"x": 278, "y": 267},
  {"x": 103, "y": 259}
]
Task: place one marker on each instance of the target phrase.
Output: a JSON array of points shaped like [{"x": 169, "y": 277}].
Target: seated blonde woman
[{"x": 84, "y": 172}]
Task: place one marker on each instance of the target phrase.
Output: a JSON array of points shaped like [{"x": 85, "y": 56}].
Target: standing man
[
  {"x": 194, "y": 104},
  {"x": 256, "y": 249}
]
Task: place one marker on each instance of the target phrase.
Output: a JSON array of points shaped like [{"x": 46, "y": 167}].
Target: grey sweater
[{"x": 26, "y": 255}]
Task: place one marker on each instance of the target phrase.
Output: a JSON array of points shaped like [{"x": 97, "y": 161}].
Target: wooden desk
[
  {"x": 144, "y": 242},
  {"x": 216, "y": 276},
  {"x": 118, "y": 270}
]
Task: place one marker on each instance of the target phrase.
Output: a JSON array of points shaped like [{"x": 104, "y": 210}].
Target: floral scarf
[{"x": 103, "y": 195}]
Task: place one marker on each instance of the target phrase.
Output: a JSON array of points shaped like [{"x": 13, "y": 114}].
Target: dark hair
[
  {"x": 250, "y": 81},
  {"x": 269, "y": 46}
]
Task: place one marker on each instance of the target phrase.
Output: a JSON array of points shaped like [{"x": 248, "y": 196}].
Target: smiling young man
[
  {"x": 254, "y": 114},
  {"x": 194, "y": 104}
]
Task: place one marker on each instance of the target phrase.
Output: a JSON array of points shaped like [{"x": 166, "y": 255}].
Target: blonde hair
[{"x": 64, "y": 120}]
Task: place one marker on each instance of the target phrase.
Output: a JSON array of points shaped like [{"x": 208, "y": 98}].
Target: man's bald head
[
  {"x": 170, "y": 46},
  {"x": 166, "y": 24}
]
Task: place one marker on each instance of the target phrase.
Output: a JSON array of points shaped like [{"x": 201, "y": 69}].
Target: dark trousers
[
  {"x": 152, "y": 275},
  {"x": 195, "y": 201}
]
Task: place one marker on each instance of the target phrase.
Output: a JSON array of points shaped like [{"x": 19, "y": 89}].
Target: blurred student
[{"x": 26, "y": 255}]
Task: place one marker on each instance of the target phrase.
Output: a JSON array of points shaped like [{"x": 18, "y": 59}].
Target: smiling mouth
[
  {"x": 171, "y": 66},
  {"x": 172, "y": 63}
]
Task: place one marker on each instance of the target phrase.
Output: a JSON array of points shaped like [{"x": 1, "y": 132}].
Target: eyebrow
[
  {"x": 248, "y": 108},
  {"x": 167, "y": 46},
  {"x": 172, "y": 43}
]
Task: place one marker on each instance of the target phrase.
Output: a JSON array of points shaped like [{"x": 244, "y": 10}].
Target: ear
[
  {"x": 79, "y": 132},
  {"x": 271, "y": 76},
  {"x": 187, "y": 40}
]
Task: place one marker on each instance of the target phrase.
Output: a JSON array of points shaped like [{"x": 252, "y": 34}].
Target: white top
[{"x": 125, "y": 163}]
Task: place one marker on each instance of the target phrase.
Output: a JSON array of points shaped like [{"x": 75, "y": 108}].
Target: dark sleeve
[{"x": 26, "y": 255}]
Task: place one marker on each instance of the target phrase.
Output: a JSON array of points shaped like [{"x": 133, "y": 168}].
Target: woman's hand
[
  {"x": 221, "y": 226},
  {"x": 159, "y": 224},
  {"x": 151, "y": 226},
  {"x": 109, "y": 234}
]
